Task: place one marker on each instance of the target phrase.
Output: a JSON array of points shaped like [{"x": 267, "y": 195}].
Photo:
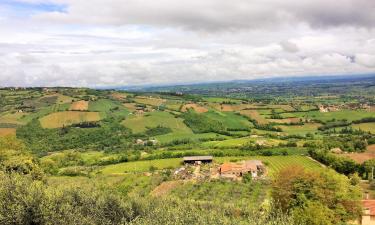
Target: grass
[
  {"x": 238, "y": 142},
  {"x": 60, "y": 119},
  {"x": 140, "y": 123},
  {"x": 370, "y": 127},
  {"x": 13, "y": 118},
  {"x": 230, "y": 119},
  {"x": 102, "y": 105},
  {"x": 273, "y": 163},
  {"x": 254, "y": 114},
  {"x": 349, "y": 115},
  {"x": 166, "y": 138},
  {"x": 149, "y": 101},
  {"x": 300, "y": 129},
  {"x": 141, "y": 166}
]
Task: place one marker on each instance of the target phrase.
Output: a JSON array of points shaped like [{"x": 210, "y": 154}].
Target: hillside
[{"x": 133, "y": 143}]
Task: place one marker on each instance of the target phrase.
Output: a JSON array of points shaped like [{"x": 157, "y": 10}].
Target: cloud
[
  {"x": 211, "y": 15},
  {"x": 157, "y": 42},
  {"x": 289, "y": 46}
]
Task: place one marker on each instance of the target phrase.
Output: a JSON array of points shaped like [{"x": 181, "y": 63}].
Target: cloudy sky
[{"x": 135, "y": 42}]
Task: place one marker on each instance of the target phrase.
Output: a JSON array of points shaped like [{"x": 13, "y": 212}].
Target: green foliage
[
  {"x": 110, "y": 136},
  {"x": 316, "y": 197},
  {"x": 200, "y": 123}
]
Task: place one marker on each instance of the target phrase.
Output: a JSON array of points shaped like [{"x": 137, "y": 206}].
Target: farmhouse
[
  {"x": 234, "y": 170},
  {"x": 198, "y": 159},
  {"x": 368, "y": 216}
]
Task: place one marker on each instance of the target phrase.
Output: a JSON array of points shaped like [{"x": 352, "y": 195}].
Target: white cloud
[{"x": 146, "y": 42}]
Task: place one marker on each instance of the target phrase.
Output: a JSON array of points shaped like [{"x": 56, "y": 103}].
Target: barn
[{"x": 198, "y": 159}]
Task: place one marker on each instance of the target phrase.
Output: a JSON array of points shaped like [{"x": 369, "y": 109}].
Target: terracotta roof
[
  {"x": 369, "y": 204},
  {"x": 226, "y": 167}
]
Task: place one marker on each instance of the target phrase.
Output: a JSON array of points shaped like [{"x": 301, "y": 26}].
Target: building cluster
[{"x": 235, "y": 170}]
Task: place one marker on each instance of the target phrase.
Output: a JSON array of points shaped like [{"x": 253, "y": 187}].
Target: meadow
[
  {"x": 140, "y": 123},
  {"x": 370, "y": 127},
  {"x": 349, "y": 115}
]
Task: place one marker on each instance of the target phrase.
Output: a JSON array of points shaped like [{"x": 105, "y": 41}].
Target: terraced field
[
  {"x": 273, "y": 163},
  {"x": 60, "y": 119}
]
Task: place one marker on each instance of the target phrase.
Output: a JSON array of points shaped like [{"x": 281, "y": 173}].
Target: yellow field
[
  {"x": 80, "y": 106},
  {"x": 60, "y": 119},
  {"x": 130, "y": 106},
  {"x": 253, "y": 114},
  {"x": 195, "y": 107},
  {"x": 286, "y": 120},
  {"x": 7, "y": 131}
]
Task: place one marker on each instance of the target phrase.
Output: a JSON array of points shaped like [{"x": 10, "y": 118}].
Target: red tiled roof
[{"x": 369, "y": 204}]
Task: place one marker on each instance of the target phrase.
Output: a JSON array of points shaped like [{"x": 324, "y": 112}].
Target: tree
[{"x": 312, "y": 194}]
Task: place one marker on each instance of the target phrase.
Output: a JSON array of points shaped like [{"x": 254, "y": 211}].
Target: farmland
[
  {"x": 79, "y": 106},
  {"x": 274, "y": 163},
  {"x": 60, "y": 119},
  {"x": 133, "y": 143},
  {"x": 140, "y": 123},
  {"x": 349, "y": 115},
  {"x": 7, "y": 131}
]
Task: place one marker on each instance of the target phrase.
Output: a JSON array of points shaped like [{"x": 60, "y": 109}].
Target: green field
[
  {"x": 140, "y": 123},
  {"x": 273, "y": 163},
  {"x": 370, "y": 127},
  {"x": 300, "y": 129},
  {"x": 166, "y": 138},
  {"x": 230, "y": 119},
  {"x": 349, "y": 115},
  {"x": 238, "y": 142}
]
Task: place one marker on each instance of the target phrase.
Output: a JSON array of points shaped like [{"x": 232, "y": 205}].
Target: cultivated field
[
  {"x": 253, "y": 114},
  {"x": 60, "y": 119},
  {"x": 349, "y": 115},
  {"x": 79, "y": 106},
  {"x": 7, "y": 131},
  {"x": 363, "y": 156},
  {"x": 149, "y": 100},
  {"x": 13, "y": 118},
  {"x": 140, "y": 123},
  {"x": 300, "y": 129},
  {"x": 195, "y": 107}
]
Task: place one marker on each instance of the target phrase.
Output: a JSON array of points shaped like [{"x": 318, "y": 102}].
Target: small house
[
  {"x": 197, "y": 159},
  {"x": 368, "y": 216},
  {"x": 233, "y": 170}
]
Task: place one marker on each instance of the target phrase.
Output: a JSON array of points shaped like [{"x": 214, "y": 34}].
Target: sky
[{"x": 97, "y": 43}]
